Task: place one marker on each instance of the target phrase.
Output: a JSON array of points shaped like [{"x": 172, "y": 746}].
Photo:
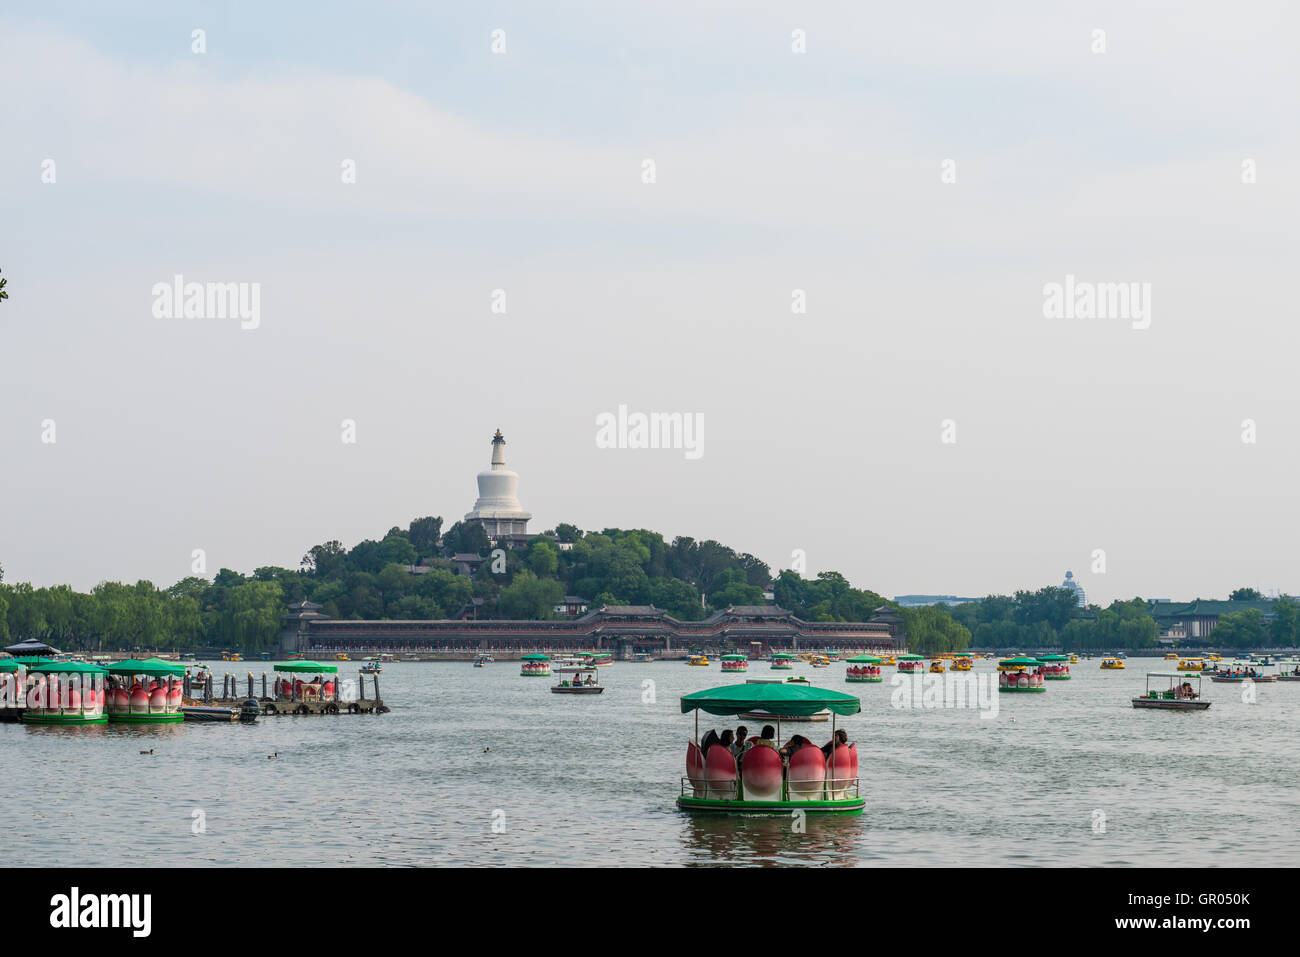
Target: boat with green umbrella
[
  {"x": 1014, "y": 675},
  {"x": 145, "y": 692},
  {"x": 766, "y": 781},
  {"x": 735, "y": 663},
  {"x": 1055, "y": 667},
  {"x": 911, "y": 664},
  {"x": 65, "y": 693},
  {"x": 782, "y": 662},
  {"x": 863, "y": 668},
  {"x": 535, "y": 666}
]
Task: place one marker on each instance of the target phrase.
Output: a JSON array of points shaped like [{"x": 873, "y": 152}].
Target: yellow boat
[
  {"x": 235, "y": 657},
  {"x": 1171, "y": 657},
  {"x": 962, "y": 664},
  {"x": 342, "y": 656},
  {"x": 936, "y": 667},
  {"x": 698, "y": 661},
  {"x": 1193, "y": 664},
  {"x": 1111, "y": 664},
  {"x": 888, "y": 660},
  {"x": 1074, "y": 659}
]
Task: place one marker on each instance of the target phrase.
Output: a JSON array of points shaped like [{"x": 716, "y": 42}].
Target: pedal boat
[
  {"x": 145, "y": 692},
  {"x": 911, "y": 664},
  {"x": 761, "y": 785},
  {"x": 1112, "y": 664},
  {"x": 735, "y": 663},
  {"x": 698, "y": 661},
  {"x": 1014, "y": 676},
  {"x": 780, "y": 661},
  {"x": 1172, "y": 698},
  {"x": 1055, "y": 667},
  {"x": 63, "y": 693},
  {"x": 863, "y": 668},
  {"x": 534, "y": 666}
]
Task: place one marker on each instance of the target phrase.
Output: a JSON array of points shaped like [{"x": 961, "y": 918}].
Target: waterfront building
[
  {"x": 1195, "y": 620},
  {"x": 571, "y": 606},
  {"x": 622, "y": 629},
  {"x": 498, "y": 508}
]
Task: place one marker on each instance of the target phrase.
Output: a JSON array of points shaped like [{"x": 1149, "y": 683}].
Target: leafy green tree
[
  {"x": 732, "y": 588},
  {"x": 424, "y": 534},
  {"x": 1284, "y": 629},
  {"x": 930, "y": 630},
  {"x": 1240, "y": 629},
  {"x": 1246, "y": 594},
  {"x": 543, "y": 559}
]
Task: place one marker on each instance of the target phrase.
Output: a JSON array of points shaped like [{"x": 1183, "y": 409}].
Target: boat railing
[{"x": 722, "y": 789}]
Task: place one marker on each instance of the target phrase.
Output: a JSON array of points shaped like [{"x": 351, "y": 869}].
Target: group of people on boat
[
  {"x": 738, "y": 742},
  {"x": 863, "y": 671},
  {"x": 1185, "y": 691},
  {"x": 577, "y": 681},
  {"x": 297, "y": 688}
]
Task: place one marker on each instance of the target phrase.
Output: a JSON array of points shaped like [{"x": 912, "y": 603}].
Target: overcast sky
[{"x": 775, "y": 171}]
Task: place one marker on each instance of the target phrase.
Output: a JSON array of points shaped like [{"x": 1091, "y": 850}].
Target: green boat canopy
[
  {"x": 534, "y": 657},
  {"x": 68, "y": 667},
  {"x": 314, "y": 666},
  {"x": 788, "y": 699},
  {"x": 782, "y": 654},
  {"x": 734, "y": 658},
  {"x": 910, "y": 658},
  {"x": 29, "y": 660},
  {"x": 1053, "y": 657},
  {"x": 8, "y": 664},
  {"x": 1027, "y": 662},
  {"x": 864, "y": 660},
  {"x": 153, "y": 667}
]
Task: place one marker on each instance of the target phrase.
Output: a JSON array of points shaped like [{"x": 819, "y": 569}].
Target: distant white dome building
[
  {"x": 498, "y": 509},
  {"x": 1071, "y": 585}
]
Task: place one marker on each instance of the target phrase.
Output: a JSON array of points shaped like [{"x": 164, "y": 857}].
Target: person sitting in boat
[
  {"x": 796, "y": 742},
  {"x": 841, "y": 737},
  {"x": 728, "y": 738},
  {"x": 766, "y": 737},
  {"x": 740, "y": 745},
  {"x": 1187, "y": 690},
  {"x": 709, "y": 740}
]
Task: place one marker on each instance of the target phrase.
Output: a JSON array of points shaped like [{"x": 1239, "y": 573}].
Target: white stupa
[{"x": 498, "y": 509}]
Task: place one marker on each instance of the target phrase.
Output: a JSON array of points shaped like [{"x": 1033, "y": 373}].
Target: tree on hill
[{"x": 1246, "y": 594}]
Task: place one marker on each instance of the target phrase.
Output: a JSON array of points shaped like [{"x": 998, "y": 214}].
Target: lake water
[{"x": 592, "y": 780}]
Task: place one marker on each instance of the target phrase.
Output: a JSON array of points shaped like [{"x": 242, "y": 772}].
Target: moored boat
[
  {"x": 761, "y": 783},
  {"x": 145, "y": 692},
  {"x": 1179, "y": 696},
  {"x": 65, "y": 693}
]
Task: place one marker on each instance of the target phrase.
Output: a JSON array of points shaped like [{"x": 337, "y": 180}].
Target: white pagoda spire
[{"x": 498, "y": 508}]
